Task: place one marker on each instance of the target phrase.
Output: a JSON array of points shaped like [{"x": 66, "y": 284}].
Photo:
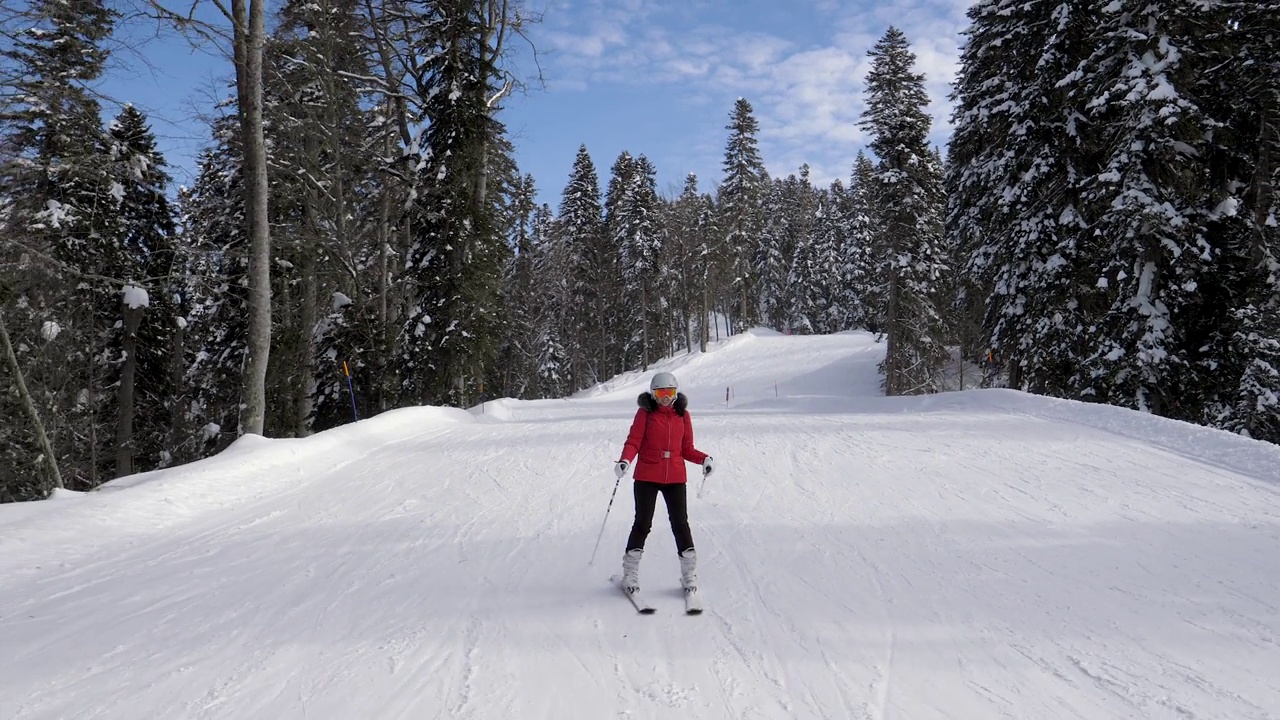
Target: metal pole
[{"x": 606, "y": 520}]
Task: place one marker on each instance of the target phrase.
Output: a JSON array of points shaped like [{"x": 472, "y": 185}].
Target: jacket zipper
[{"x": 667, "y": 471}]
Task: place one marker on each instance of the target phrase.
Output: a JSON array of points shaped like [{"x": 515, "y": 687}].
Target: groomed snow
[{"x": 971, "y": 555}]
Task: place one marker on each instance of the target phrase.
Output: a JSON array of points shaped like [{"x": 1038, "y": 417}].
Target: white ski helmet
[{"x": 663, "y": 380}]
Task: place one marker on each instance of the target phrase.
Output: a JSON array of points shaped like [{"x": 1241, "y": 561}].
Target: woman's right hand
[{"x": 620, "y": 468}]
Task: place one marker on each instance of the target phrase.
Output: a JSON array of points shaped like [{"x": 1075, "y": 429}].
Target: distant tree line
[{"x": 1104, "y": 224}]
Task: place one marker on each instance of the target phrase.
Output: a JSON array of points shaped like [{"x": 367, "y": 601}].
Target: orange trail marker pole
[{"x": 350, "y": 390}]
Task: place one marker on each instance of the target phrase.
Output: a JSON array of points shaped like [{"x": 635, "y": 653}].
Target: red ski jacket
[{"x": 661, "y": 440}]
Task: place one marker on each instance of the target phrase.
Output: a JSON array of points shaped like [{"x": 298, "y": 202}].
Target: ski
[
  {"x": 692, "y": 602},
  {"x": 642, "y": 606}
]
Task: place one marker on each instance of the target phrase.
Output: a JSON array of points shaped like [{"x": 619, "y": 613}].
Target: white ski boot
[
  {"x": 689, "y": 569},
  {"x": 631, "y": 570}
]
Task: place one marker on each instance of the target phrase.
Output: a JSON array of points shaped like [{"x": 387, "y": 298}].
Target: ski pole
[{"x": 606, "y": 519}]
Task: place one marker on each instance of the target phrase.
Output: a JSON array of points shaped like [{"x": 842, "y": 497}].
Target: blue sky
[{"x": 653, "y": 77}]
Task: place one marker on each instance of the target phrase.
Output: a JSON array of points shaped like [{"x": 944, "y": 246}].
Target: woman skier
[{"x": 660, "y": 441}]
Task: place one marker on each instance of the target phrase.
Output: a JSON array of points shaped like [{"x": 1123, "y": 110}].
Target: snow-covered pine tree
[
  {"x": 519, "y": 351},
  {"x": 551, "y": 306},
  {"x": 908, "y": 187},
  {"x": 215, "y": 293},
  {"x": 708, "y": 255},
  {"x": 806, "y": 284},
  {"x": 503, "y": 182},
  {"x": 148, "y": 237},
  {"x": 1016, "y": 161},
  {"x": 1148, "y": 200},
  {"x": 63, "y": 240},
  {"x": 1239, "y": 372},
  {"x": 789, "y": 215},
  {"x": 686, "y": 265},
  {"x": 983, "y": 119},
  {"x": 1251, "y": 406},
  {"x": 1121, "y": 235},
  {"x": 863, "y": 288},
  {"x": 771, "y": 261},
  {"x": 393, "y": 115},
  {"x": 740, "y": 202},
  {"x": 632, "y": 224},
  {"x": 454, "y": 265},
  {"x": 821, "y": 303},
  {"x": 944, "y": 287},
  {"x": 667, "y": 283},
  {"x": 590, "y": 272},
  {"x": 804, "y": 276},
  {"x": 313, "y": 94},
  {"x": 344, "y": 345},
  {"x": 623, "y": 334}
]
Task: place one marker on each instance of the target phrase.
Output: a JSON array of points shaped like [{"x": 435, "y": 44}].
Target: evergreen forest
[{"x": 1102, "y": 225}]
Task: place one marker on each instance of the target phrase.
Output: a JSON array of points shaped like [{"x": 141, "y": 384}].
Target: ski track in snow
[{"x": 982, "y": 554}]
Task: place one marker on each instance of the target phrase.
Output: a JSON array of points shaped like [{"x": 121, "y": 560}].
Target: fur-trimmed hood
[{"x": 646, "y": 401}]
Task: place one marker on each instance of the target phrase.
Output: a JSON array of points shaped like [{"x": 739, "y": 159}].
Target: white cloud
[
  {"x": 806, "y": 86},
  {"x": 591, "y": 45},
  {"x": 754, "y": 52}
]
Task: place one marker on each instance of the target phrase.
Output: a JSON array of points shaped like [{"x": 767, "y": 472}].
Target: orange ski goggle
[{"x": 664, "y": 393}]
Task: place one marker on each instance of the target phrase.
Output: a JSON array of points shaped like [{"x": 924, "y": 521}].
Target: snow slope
[{"x": 981, "y": 554}]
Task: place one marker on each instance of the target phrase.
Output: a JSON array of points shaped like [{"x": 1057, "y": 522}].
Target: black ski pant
[{"x": 677, "y": 500}]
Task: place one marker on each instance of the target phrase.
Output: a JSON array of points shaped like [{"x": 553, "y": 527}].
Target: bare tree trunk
[
  {"x": 1262, "y": 185},
  {"x": 384, "y": 263},
  {"x": 308, "y": 310},
  {"x": 249, "y": 40},
  {"x": 308, "y": 313},
  {"x": 125, "y": 392},
  {"x": 498, "y": 19},
  {"x": 704, "y": 330},
  {"x": 601, "y": 368},
  {"x": 893, "y": 330},
  {"x": 384, "y": 292},
  {"x": 685, "y": 321},
  {"x": 90, "y": 413},
  {"x": 644, "y": 329},
  {"x": 391, "y": 300},
  {"x": 28, "y": 404},
  {"x": 177, "y": 403}
]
